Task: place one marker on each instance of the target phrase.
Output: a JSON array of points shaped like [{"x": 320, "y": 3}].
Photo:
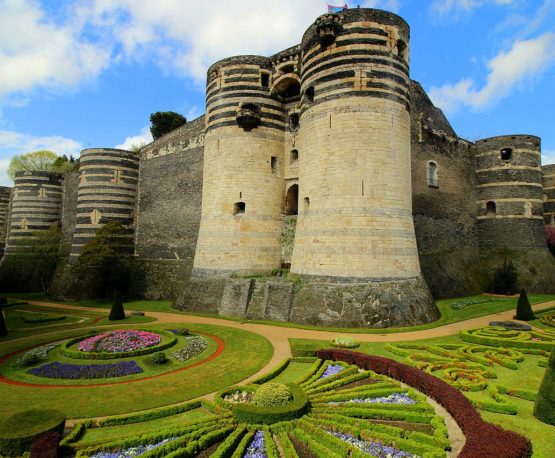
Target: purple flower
[
  {"x": 375, "y": 449},
  {"x": 332, "y": 369},
  {"x": 86, "y": 371},
  {"x": 133, "y": 451},
  {"x": 395, "y": 398},
  {"x": 257, "y": 447}
]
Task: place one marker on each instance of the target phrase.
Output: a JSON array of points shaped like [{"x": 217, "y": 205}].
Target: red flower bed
[{"x": 483, "y": 439}]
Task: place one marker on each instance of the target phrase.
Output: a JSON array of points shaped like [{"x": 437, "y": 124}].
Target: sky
[{"x": 77, "y": 74}]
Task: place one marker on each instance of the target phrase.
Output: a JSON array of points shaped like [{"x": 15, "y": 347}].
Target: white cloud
[
  {"x": 526, "y": 60},
  {"x": 12, "y": 143},
  {"x": 443, "y": 7},
  {"x": 548, "y": 156},
  {"x": 130, "y": 143},
  {"x": 35, "y": 52}
]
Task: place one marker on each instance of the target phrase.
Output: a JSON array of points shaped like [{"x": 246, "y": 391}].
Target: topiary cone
[
  {"x": 117, "y": 312},
  {"x": 523, "y": 308},
  {"x": 544, "y": 408}
]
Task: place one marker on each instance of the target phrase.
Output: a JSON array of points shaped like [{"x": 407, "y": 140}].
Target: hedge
[
  {"x": 471, "y": 336},
  {"x": 18, "y": 431},
  {"x": 310, "y": 373},
  {"x": 482, "y": 439},
  {"x": 251, "y": 414},
  {"x": 273, "y": 373},
  {"x": 226, "y": 448},
  {"x": 70, "y": 353},
  {"x": 286, "y": 445}
]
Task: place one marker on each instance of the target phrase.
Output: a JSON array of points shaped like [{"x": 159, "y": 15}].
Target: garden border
[{"x": 483, "y": 439}]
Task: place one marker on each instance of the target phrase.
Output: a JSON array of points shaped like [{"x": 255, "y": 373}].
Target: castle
[{"x": 324, "y": 161}]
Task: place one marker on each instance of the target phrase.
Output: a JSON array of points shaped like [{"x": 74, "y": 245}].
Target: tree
[
  {"x": 163, "y": 122},
  {"x": 524, "y": 309},
  {"x": 544, "y": 408},
  {"x": 42, "y": 160},
  {"x": 505, "y": 278},
  {"x": 109, "y": 252}
]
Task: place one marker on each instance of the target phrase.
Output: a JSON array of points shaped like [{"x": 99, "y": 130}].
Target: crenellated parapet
[
  {"x": 35, "y": 206},
  {"x": 108, "y": 180},
  {"x": 509, "y": 190}
]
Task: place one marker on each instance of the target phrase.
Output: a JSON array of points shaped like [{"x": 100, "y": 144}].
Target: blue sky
[{"x": 87, "y": 73}]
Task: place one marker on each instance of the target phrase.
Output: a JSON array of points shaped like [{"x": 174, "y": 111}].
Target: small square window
[{"x": 239, "y": 208}]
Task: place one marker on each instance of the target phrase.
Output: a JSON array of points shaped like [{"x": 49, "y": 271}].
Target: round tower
[
  {"x": 107, "y": 191},
  {"x": 242, "y": 194},
  {"x": 4, "y": 208},
  {"x": 36, "y": 205},
  {"x": 355, "y": 215},
  {"x": 549, "y": 194},
  {"x": 510, "y": 196}
]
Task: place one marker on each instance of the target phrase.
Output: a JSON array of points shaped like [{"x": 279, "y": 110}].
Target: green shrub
[
  {"x": 259, "y": 415},
  {"x": 345, "y": 342},
  {"x": 272, "y": 395},
  {"x": 17, "y": 432},
  {"x": 182, "y": 332},
  {"x": 273, "y": 373},
  {"x": 160, "y": 358},
  {"x": 42, "y": 318},
  {"x": 505, "y": 278},
  {"x": 544, "y": 408},
  {"x": 524, "y": 309}
]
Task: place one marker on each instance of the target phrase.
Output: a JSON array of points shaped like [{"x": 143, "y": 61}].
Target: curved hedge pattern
[
  {"x": 483, "y": 439},
  {"x": 500, "y": 337},
  {"x": 169, "y": 340}
]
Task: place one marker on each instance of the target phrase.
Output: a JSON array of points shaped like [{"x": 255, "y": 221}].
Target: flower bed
[
  {"x": 119, "y": 341},
  {"x": 482, "y": 439},
  {"x": 195, "y": 346},
  {"x": 118, "y": 344},
  {"x": 395, "y": 398},
  {"x": 375, "y": 449},
  {"x": 86, "y": 371},
  {"x": 36, "y": 354},
  {"x": 132, "y": 451},
  {"x": 331, "y": 370}
]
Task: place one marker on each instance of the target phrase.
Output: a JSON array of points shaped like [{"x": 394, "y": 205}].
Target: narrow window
[
  {"x": 275, "y": 164},
  {"x": 292, "y": 200},
  {"x": 310, "y": 94},
  {"x": 491, "y": 209},
  {"x": 306, "y": 204},
  {"x": 288, "y": 69},
  {"x": 294, "y": 155},
  {"x": 401, "y": 49},
  {"x": 433, "y": 174},
  {"x": 294, "y": 121},
  {"x": 506, "y": 154},
  {"x": 265, "y": 79},
  {"x": 239, "y": 208}
]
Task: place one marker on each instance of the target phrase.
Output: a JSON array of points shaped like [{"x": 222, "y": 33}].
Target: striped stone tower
[
  {"x": 107, "y": 191},
  {"x": 36, "y": 206},
  {"x": 4, "y": 208},
  {"x": 242, "y": 194},
  {"x": 549, "y": 194},
  {"x": 355, "y": 210},
  {"x": 510, "y": 195}
]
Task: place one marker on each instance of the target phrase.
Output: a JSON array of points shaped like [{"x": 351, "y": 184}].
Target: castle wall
[
  {"x": 242, "y": 196},
  {"x": 510, "y": 196},
  {"x": 36, "y": 205},
  {"x": 444, "y": 208},
  {"x": 549, "y": 194},
  {"x": 70, "y": 188},
  {"x": 5, "y": 193},
  {"x": 107, "y": 190},
  {"x": 168, "y": 211}
]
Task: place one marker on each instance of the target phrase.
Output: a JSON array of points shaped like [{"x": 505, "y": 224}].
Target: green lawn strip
[
  {"x": 448, "y": 314},
  {"x": 528, "y": 376},
  {"x": 110, "y": 433},
  {"x": 244, "y": 354},
  {"x": 292, "y": 372},
  {"x": 11, "y": 370}
]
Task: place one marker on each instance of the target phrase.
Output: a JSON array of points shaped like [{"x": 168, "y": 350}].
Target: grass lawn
[
  {"x": 476, "y": 306},
  {"x": 244, "y": 354},
  {"x": 528, "y": 375},
  {"x": 293, "y": 372}
]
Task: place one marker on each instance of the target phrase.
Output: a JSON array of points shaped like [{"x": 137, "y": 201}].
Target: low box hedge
[
  {"x": 251, "y": 414},
  {"x": 483, "y": 439},
  {"x": 17, "y": 432}
]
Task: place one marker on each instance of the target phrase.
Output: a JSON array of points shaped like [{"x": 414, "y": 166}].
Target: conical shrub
[
  {"x": 544, "y": 409},
  {"x": 3, "y": 327},
  {"x": 117, "y": 312},
  {"x": 523, "y": 308}
]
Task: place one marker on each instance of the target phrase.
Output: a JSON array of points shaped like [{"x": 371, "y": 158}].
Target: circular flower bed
[{"x": 119, "y": 341}]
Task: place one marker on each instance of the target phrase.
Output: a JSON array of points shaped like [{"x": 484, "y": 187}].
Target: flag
[{"x": 337, "y": 9}]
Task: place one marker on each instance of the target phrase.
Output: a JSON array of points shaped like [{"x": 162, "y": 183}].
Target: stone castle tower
[{"x": 321, "y": 186}]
